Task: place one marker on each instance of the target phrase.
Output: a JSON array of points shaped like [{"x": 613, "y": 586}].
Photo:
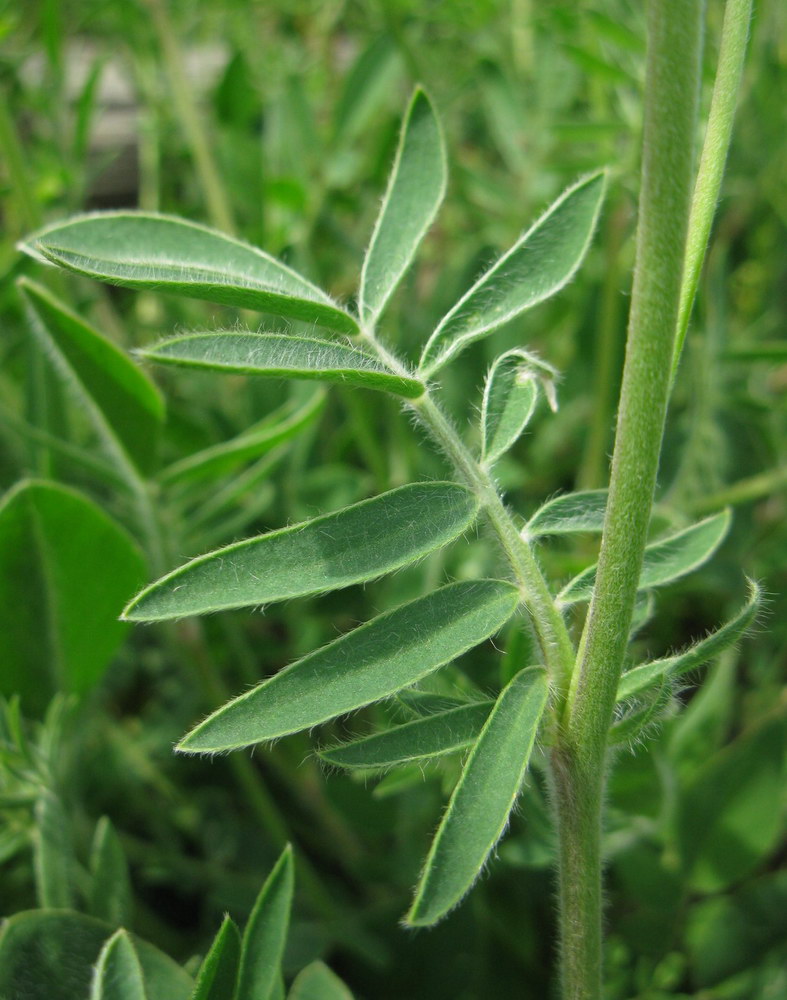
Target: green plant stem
[
  {"x": 671, "y": 90},
  {"x": 744, "y": 491},
  {"x": 732, "y": 53},
  {"x": 196, "y": 136}
]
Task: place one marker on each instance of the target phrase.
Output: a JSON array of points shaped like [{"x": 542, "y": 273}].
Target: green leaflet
[
  {"x": 123, "y": 404},
  {"x": 110, "y": 886},
  {"x": 665, "y": 560},
  {"x": 266, "y": 933},
  {"x": 53, "y": 854},
  {"x": 630, "y": 726},
  {"x": 570, "y": 513},
  {"x": 317, "y": 982},
  {"x": 350, "y": 546},
  {"x": 482, "y": 799},
  {"x": 420, "y": 740},
  {"x": 163, "y": 253},
  {"x": 366, "y": 90},
  {"x": 419, "y": 704},
  {"x": 510, "y": 398},
  {"x": 543, "y": 260},
  {"x": 273, "y": 430},
  {"x": 643, "y": 676},
  {"x": 55, "y": 636},
  {"x": 415, "y": 191},
  {"x": 218, "y": 973},
  {"x": 118, "y": 974},
  {"x": 282, "y": 356},
  {"x": 372, "y": 662}
]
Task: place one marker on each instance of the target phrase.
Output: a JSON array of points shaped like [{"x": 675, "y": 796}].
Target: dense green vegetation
[{"x": 277, "y": 124}]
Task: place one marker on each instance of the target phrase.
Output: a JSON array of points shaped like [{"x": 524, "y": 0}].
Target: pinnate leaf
[
  {"x": 482, "y": 799},
  {"x": 665, "y": 560},
  {"x": 372, "y": 662},
  {"x": 539, "y": 264},
  {"x": 266, "y": 933},
  {"x": 123, "y": 404},
  {"x": 336, "y": 550},
  {"x": 118, "y": 974},
  {"x": 317, "y": 982},
  {"x": 510, "y": 398},
  {"x": 218, "y": 974},
  {"x": 282, "y": 356},
  {"x": 570, "y": 514},
  {"x": 643, "y": 676},
  {"x": 433, "y": 736},
  {"x": 163, "y": 253},
  {"x": 415, "y": 191}
]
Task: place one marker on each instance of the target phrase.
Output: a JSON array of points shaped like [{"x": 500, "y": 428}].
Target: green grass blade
[
  {"x": 218, "y": 974},
  {"x": 415, "y": 190},
  {"x": 123, "y": 404},
  {"x": 56, "y": 636},
  {"x": 110, "y": 886},
  {"x": 420, "y": 740},
  {"x": 163, "y": 253},
  {"x": 639, "y": 678},
  {"x": 118, "y": 974},
  {"x": 317, "y": 982},
  {"x": 539, "y": 264},
  {"x": 510, "y": 397},
  {"x": 336, "y": 550},
  {"x": 372, "y": 662},
  {"x": 282, "y": 356},
  {"x": 569, "y": 514},
  {"x": 482, "y": 799},
  {"x": 665, "y": 560},
  {"x": 266, "y": 933}
]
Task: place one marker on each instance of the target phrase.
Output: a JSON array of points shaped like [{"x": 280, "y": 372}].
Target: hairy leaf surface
[
  {"x": 372, "y": 662},
  {"x": 665, "y": 560},
  {"x": 164, "y": 253},
  {"x": 538, "y": 265},
  {"x": 570, "y": 514},
  {"x": 434, "y": 736},
  {"x": 218, "y": 974},
  {"x": 266, "y": 933},
  {"x": 353, "y": 545},
  {"x": 510, "y": 398},
  {"x": 482, "y": 799},
  {"x": 415, "y": 191},
  {"x": 118, "y": 974},
  {"x": 282, "y": 356}
]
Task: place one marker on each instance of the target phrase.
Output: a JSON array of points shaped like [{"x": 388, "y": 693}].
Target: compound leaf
[
  {"x": 539, "y": 264},
  {"x": 164, "y": 253},
  {"x": 415, "y": 191},
  {"x": 282, "y": 356},
  {"x": 423, "y": 739},
  {"x": 372, "y": 662},
  {"x": 482, "y": 799},
  {"x": 266, "y": 933},
  {"x": 350, "y": 546},
  {"x": 665, "y": 560},
  {"x": 569, "y": 514},
  {"x": 118, "y": 974}
]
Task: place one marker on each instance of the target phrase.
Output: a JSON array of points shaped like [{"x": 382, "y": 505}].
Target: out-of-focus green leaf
[
  {"x": 218, "y": 974},
  {"x": 539, "y": 264},
  {"x": 266, "y": 933},
  {"x": 665, "y": 560},
  {"x": 424, "y": 703},
  {"x": 317, "y": 982},
  {"x": 54, "y": 635},
  {"x": 118, "y": 974},
  {"x": 638, "y": 678},
  {"x": 350, "y": 546},
  {"x": 123, "y": 404},
  {"x": 421, "y": 740},
  {"x": 110, "y": 885},
  {"x": 49, "y": 955},
  {"x": 510, "y": 398},
  {"x": 367, "y": 86},
  {"x": 164, "y": 253},
  {"x": 569, "y": 514},
  {"x": 53, "y": 860},
  {"x": 415, "y": 190},
  {"x": 282, "y": 356},
  {"x": 372, "y": 662},
  {"x": 483, "y": 798}
]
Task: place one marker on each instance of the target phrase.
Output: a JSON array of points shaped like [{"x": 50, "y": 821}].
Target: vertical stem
[{"x": 671, "y": 90}]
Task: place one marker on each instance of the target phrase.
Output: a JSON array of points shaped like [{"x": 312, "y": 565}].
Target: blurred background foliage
[{"x": 278, "y": 121}]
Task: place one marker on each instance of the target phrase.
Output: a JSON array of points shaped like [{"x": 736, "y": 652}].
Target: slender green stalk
[
  {"x": 744, "y": 491},
  {"x": 732, "y": 53},
  {"x": 24, "y": 199},
  {"x": 671, "y": 89}
]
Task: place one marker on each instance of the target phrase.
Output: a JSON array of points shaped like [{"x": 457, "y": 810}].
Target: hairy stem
[{"x": 671, "y": 90}]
